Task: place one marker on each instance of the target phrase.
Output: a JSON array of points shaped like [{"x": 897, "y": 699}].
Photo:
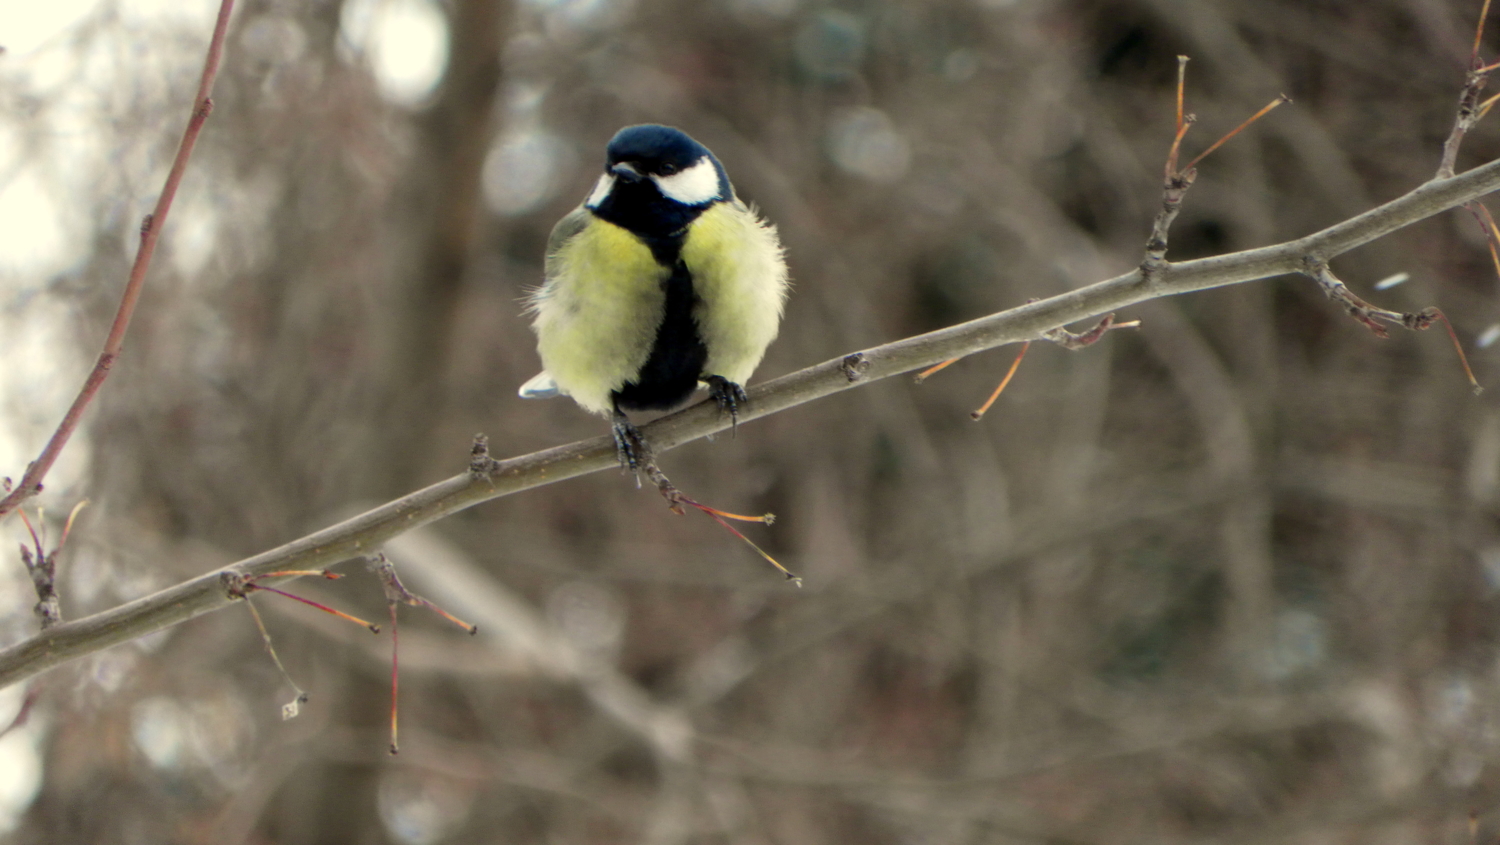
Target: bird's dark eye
[{"x": 668, "y": 169}]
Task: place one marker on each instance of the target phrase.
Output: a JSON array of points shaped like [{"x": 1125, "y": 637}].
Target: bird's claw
[
  {"x": 729, "y": 397},
  {"x": 630, "y": 446}
]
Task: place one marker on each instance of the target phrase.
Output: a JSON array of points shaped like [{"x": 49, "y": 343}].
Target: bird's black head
[{"x": 657, "y": 180}]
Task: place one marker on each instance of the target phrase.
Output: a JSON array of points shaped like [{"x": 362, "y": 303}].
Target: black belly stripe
[{"x": 672, "y": 370}]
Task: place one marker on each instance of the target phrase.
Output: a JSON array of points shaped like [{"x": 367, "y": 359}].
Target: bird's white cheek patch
[
  {"x": 601, "y": 190},
  {"x": 694, "y": 186}
]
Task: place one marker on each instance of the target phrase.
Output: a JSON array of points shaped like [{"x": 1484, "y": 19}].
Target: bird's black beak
[{"x": 626, "y": 172}]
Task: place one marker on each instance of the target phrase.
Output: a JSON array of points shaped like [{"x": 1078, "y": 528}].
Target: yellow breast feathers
[
  {"x": 597, "y": 312},
  {"x": 740, "y": 278}
]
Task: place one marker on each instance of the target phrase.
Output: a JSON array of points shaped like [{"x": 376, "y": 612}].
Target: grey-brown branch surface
[{"x": 365, "y": 533}]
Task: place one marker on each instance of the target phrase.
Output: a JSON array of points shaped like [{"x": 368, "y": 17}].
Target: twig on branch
[
  {"x": 31, "y": 482},
  {"x": 1470, "y": 110},
  {"x": 397, "y": 594},
  {"x": 1069, "y": 340},
  {"x": 1281, "y": 99},
  {"x": 237, "y": 585},
  {"x": 480, "y": 462},
  {"x": 1060, "y": 336},
  {"x": 1175, "y": 182},
  {"x": 978, "y": 413},
  {"x": 676, "y": 499},
  {"x": 1175, "y": 186},
  {"x": 1359, "y": 309},
  {"x": 41, "y": 565},
  {"x": 1369, "y": 315},
  {"x": 290, "y": 709},
  {"x": 357, "y": 536}
]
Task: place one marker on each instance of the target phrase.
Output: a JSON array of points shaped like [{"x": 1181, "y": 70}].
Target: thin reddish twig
[
  {"x": 1183, "y": 121},
  {"x": 934, "y": 369},
  {"x": 31, "y": 482},
  {"x": 1238, "y": 129},
  {"x": 1484, "y": 13},
  {"x": 1009, "y": 374}
]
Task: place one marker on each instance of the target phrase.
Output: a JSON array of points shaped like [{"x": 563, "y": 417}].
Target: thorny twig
[
  {"x": 31, "y": 482},
  {"x": 1361, "y": 310}
]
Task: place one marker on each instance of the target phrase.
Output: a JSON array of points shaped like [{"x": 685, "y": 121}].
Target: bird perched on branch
[{"x": 661, "y": 282}]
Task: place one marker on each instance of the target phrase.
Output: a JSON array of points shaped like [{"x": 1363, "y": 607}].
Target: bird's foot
[
  {"x": 630, "y": 445},
  {"x": 729, "y": 397}
]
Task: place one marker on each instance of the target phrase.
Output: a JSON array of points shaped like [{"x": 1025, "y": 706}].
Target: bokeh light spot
[
  {"x": 405, "y": 42},
  {"x": 863, "y": 141}
]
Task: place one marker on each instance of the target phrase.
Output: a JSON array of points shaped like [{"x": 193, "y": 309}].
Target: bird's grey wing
[
  {"x": 566, "y": 228},
  {"x": 542, "y": 385}
]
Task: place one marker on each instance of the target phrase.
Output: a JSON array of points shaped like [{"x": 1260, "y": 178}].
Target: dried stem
[
  {"x": 934, "y": 370},
  {"x": 1176, "y": 182},
  {"x": 1062, "y": 337},
  {"x": 676, "y": 499},
  {"x": 978, "y": 414},
  {"x": 397, "y": 594},
  {"x": 1484, "y": 13},
  {"x": 300, "y": 696},
  {"x": 31, "y": 483},
  {"x": 1238, "y": 129},
  {"x": 1183, "y": 120},
  {"x": 237, "y": 585}
]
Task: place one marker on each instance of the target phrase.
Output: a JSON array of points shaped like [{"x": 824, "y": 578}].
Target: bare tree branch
[
  {"x": 151, "y": 226},
  {"x": 486, "y": 479}
]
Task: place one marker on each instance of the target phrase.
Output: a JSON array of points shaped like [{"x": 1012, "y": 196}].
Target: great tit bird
[{"x": 661, "y": 281}]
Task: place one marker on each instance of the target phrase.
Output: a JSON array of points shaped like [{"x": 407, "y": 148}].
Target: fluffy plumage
[{"x": 661, "y": 280}]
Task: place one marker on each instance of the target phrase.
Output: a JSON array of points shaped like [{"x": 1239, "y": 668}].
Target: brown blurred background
[{"x": 1226, "y": 578}]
